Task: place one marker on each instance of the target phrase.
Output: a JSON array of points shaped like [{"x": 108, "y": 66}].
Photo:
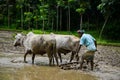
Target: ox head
[{"x": 17, "y": 41}]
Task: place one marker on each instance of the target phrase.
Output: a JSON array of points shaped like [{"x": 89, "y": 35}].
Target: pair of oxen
[{"x": 50, "y": 44}]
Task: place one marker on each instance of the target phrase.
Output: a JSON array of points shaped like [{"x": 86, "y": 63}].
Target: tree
[
  {"x": 83, "y": 5},
  {"x": 20, "y": 5},
  {"x": 69, "y": 18},
  {"x": 105, "y": 7},
  {"x": 60, "y": 4},
  {"x": 43, "y": 8}
]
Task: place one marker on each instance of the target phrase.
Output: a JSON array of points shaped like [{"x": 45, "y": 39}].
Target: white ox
[
  {"x": 66, "y": 44},
  {"x": 37, "y": 44}
]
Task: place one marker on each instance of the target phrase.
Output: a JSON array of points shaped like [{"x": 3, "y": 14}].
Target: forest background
[{"x": 101, "y": 18}]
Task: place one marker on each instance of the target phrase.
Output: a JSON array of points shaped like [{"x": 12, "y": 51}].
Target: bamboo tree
[
  {"x": 21, "y": 6},
  {"x": 103, "y": 27},
  {"x": 52, "y": 16},
  {"x": 57, "y": 17},
  {"x": 69, "y": 6},
  {"x": 81, "y": 10},
  {"x": 60, "y": 4},
  {"x": 8, "y": 14},
  {"x": 36, "y": 19},
  {"x": 69, "y": 15},
  {"x": 57, "y": 8},
  {"x": 105, "y": 8},
  {"x": 43, "y": 13}
]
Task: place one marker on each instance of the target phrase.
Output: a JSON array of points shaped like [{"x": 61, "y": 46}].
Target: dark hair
[{"x": 80, "y": 31}]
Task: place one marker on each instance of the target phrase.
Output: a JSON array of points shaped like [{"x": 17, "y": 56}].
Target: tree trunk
[
  {"x": 57, "y": 17},
  {"x": 88, "y": 22},
  {"x": 60, "y": 19},
  {"x": 103, "y": 27},
  {"x": 21, "y": 18},
  {"x": 81, "y": 22},
  {"x": 36, "y": 24},
  {"x": 8, "y": 14},
  {"x": 43, "y": 25},
  {"x": 29, "y": 21},
  {"x": 52, "y": 23},
  {"x": 36, "y": 21},
  {"x": 69, "y": 19}
]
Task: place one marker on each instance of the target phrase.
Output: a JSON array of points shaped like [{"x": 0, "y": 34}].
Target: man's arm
[{"x": 95, "y": 43}]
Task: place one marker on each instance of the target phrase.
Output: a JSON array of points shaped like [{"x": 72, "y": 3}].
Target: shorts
[{"x": 88, "y": 56}]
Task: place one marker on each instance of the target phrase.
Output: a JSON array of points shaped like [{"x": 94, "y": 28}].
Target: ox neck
[{"x": 22, "y": 40}]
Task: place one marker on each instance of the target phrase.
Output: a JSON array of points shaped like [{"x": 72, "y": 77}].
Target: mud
[{"x": 107, "y": 64}]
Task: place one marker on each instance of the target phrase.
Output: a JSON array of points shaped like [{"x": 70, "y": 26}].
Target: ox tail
[{"x": 55, "y": 53}]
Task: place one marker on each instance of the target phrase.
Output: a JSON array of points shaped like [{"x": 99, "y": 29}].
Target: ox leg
[
  {"x": 56, "y": 58},
  {"x": 33, "y": 57},
  {"x": 50, "y": 63},
  {"x": 87, "y": 62},
  {"x": 72, "y": 56},
  {"x": 50, "y": 56},
  {"x": 60, "y": 57},
  {"x": 25, "y": 57},
  {"x": 81, "y": 64},
  {"x": 53, "y": 60},
  {"x": 26, "y": 53},
  {"x": 50, "y": 60},
  {"x": 77, "y": 57},
  {"x": 92, "y": 64}
]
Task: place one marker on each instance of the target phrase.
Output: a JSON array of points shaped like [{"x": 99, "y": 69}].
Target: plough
[{"x": 70, "y": 65}]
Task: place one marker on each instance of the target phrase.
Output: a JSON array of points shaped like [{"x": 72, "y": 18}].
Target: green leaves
[
  {"x": 28, "y": 16},
  {"x": 83, "y": 5},
  {"x": 106, "y": 7},
  {"x": 80, "y": 10}
]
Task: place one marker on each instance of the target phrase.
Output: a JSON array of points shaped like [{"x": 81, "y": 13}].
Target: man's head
[{"x": 80, "y": 32}]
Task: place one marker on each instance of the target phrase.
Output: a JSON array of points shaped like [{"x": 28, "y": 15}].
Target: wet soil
[{"x": 12, "y": 67}]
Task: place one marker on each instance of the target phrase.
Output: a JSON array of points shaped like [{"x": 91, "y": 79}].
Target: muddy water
[
  {"x": 13, "y": 68},
  {"x": 42, "y": 73}
]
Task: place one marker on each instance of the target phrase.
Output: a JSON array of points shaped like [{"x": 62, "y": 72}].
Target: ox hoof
[{"x": 84, "y": 67}]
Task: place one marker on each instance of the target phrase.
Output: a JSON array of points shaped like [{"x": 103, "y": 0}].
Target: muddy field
[{"x": 12, "y": 67}]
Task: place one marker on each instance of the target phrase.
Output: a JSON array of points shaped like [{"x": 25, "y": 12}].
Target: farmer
[{"x": 88, "y": 41}]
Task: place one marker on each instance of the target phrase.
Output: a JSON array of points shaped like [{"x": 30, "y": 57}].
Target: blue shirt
[{"x": 88, "y": 41}]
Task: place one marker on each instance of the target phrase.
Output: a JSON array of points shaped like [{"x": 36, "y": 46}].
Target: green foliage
[
  {"x": 28, "y": 16},
  {"x": 80, "y": 10},
  {"x": 106, "y": 7},
  {"x": 112, "y": 31},
  {"x": 1, "y": 19},
  {"x": 83, "y": 5},
  {"x": 36, "y": 14}
]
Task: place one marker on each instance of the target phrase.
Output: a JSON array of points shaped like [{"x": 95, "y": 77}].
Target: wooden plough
[
  {"x": 76, "y": 66},
  {"x": 70, "y": 65}
]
